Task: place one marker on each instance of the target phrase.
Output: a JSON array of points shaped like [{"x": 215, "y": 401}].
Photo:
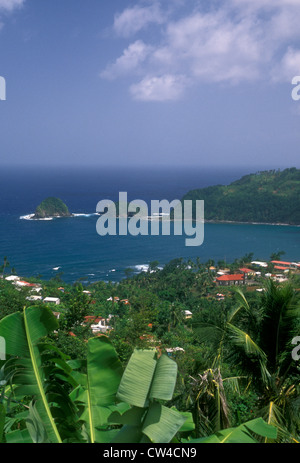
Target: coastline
[
  {"x": 31, "y": 216},
  {"x": 252, "y": 223},
  {"x": 165, "y": 218}
]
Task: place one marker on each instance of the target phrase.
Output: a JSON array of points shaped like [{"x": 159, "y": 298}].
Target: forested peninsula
[{"x": 264, "y": 197}]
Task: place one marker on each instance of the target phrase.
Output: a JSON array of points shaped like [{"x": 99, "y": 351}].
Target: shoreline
[
  {"x": 164, "y": 218},
  {"x": 235, "y": 222},
  {"x": 252, "y": 223}
]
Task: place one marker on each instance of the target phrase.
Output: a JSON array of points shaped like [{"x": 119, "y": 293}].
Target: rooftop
[{"x": 237, "y": 277}]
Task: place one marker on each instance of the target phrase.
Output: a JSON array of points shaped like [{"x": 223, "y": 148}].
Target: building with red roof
[
  {"x": 281, "y": 265},
  {"x": 227, "y": 280}
]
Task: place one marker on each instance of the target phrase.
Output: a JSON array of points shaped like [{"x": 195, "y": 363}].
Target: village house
[
  {"x": 34, "y": 298},
  {"x": 286, "y": 266},
  {"x": 52, "y": 300},
  {"x": 88, "y": 293},
  {"x": 188, "y": 314},
  {"x": 13, "y": 278},
  {"x": 223, "y": 271},
  {"x": 25, "y": 284},
  {"x": 98, "y": 324},
  {"x": 257, "y": 263},
  {"x": 247, "y": 272},
  {"x": 228, "y": 280}
]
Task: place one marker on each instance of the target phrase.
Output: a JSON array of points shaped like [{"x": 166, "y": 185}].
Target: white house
[
  {"x": 34, "y": 298},
  {"x": 13, "y": 278},
  {"x": 101, "y": 327},
  {"x": 188, "y": 314},
  {"x": 259, "y": 264},
  {"x": 52, "y": 300}
]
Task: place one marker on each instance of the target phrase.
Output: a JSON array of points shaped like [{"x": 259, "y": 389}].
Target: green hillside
[
  {"x": 52, "y": 207},
  {"x": 266, "y": 197}
]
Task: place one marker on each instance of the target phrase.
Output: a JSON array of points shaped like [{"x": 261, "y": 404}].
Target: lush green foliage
[
  {"x": 266, "y": 197},
  {"x": 100, "y": 404},
  {"x": 233, "y": 357},
  {"x": 52, "y": 207}
]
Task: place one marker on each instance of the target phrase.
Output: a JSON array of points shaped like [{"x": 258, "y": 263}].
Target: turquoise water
[{"x": 73, "y": 247}]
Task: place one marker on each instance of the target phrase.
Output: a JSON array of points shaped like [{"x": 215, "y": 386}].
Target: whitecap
[
  {"x": 31, "y": 217},
  {"x": 84, "y": 214},
  {"x": 142, "y": 268},
  {"x": 27, "y": 217}
]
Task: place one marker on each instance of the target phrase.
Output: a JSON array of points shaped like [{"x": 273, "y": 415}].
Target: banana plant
[
  {"x": 100, "y": 404},
  {"x": 252, "y": 432},
  {"x": 146, "y": 383},
  {"x": 95, "y": 395},
  {"x": 25, "y": 370}
]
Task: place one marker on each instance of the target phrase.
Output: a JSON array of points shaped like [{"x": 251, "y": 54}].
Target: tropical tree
[
  {"x": 68, "y": 403},
  {"x": 258, "y": 345},
  {"x": 91, "y": 401},
  {"x": 277, "y": 255},
  {"x": 5, "y": 264}
]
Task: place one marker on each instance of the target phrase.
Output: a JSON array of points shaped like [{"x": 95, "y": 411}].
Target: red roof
[
  {"x": 91, "y": 318},
  {"x": 279, "y": 267},
  {"x": 237, "y": 277},
  {"x": 25, "y": 283},
  {"x": 245, "y": 270},
  {"x": 281, "y": 262}
]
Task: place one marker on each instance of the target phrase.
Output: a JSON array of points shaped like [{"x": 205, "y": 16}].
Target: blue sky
[{"x": 170, "y": 82}]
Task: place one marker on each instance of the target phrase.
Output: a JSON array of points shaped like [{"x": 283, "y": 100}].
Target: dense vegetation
[
  {"x": 265, "y": 197},
  {"x": 228, "y": 365},
  {"x": 51, "y": 207}
]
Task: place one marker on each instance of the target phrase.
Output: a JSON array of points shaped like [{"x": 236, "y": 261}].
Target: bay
[{"x": 72, "y": 246}]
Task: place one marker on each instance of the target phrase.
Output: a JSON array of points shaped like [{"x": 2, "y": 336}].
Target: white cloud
[
  {"x": 132, "y": 20},
  {"x": 10, "y": 5},
  {"x": 129, "y": 62},
  {"x": 288, "y": 67},
  {"x": 212, "y": 47},
  {"x": 230, "y": 42},
  {"x": 162, "y": 88}
]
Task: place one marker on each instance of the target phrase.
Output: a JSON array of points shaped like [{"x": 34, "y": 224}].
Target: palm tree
[
  {"x": 207, "y": 401},
  {"x": 5, "y": 264},
  {"x": 258, "y": 343}
]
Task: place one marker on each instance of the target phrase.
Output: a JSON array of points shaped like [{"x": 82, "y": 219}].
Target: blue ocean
[{"x": 72, "y": 246}]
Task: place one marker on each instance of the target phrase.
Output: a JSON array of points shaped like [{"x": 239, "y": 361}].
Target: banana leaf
[
  {"x": 96, "y": 394},
  {"x": 145, "y": 382},
  {"x": 247, "y": 433},
  {"x": 22, "y": 332}
]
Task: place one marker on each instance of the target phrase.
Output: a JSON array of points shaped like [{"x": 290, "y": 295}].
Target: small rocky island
[{"x": 51, "y": 207}]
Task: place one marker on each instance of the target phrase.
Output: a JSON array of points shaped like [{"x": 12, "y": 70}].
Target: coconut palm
[{"x": 257, "y": 342}]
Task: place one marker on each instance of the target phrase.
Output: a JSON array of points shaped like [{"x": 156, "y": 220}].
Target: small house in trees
[{"x": 228, "y": 280}]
